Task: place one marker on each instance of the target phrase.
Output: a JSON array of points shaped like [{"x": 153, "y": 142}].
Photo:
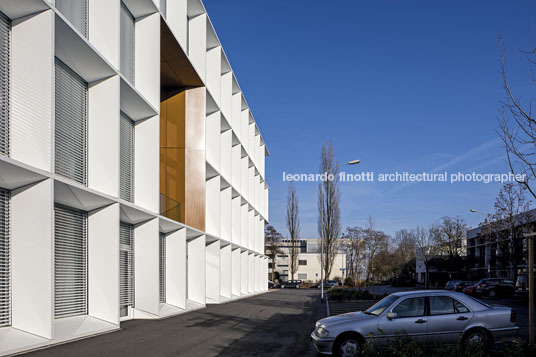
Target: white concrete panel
[
  {"x": 266, "y": 204},
  {"x": 244, "y": 269},
  {"x": 236, "y": 275},
  {"x": 257, "y": 273},
  {"x": 226, "y": 96},
  {"x": 237, "y": 113},
  {"x": 244, "y": 177},
  {"x": 226, "y": 154},
  {"x": 251, "y": 275},
  {"x": 104, "y": 28},
  {"x": 226, "y": 213},
  {"x": 176, "y": 268},
  {"x": 32, "y": 81},
  {"x": 251, "y": 229},
  {"x": 177, "y": 19},
  {"x": 251, "y": 184},
  {"x": 146, "y": 164},
  {"x": 235, "y": 215},
  {"x": 236, "y": 166},
  {"x": 251, "y": 142},
  {"x": 103, "y": 136},
  {"x": 244, "y": 221},
  {"x": 213, "y": 271},
  {"x": 197, "y": 43},
  {"x": 212, "y": 141},
  {"x": 244, "y": 129},
  {"x": 196, "y": 270},
  {"x": 146, "y": 265},
  {"x": 226, "y": 277},
  {"x": 147, "y": 57},
  {"x": 32, "y": 217},
  {"x": 213, "y": 73},
  {"x": 103, "y": 263},
  {"x": 212, "y": 206}
]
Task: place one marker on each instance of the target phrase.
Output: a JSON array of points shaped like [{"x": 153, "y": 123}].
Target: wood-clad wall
[{"x": 182, "y": 156}]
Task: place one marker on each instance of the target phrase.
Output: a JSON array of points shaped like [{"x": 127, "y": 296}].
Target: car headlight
[{"x": 322, "y": 332}]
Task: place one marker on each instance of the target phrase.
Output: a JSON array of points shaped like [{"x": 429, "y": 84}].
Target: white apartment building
[
  {"x": 309, "y": 264},
  {"x": 131, "y": 169}
]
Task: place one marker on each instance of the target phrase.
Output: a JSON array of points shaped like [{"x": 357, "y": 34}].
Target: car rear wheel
[
  {"x": 348, "y": 345},
  {"x": 492, "y": 293},
  {"x": 477, "y": 338}
]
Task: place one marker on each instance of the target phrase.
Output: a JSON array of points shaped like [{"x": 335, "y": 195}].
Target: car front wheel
[{"x": 349, "y": 345}]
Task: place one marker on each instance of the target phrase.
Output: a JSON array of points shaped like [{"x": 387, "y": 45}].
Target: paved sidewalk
[{"x": 277, "y": 323}]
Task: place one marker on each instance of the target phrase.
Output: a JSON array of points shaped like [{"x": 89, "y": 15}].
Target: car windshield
[{"x": 381, "y": 305}]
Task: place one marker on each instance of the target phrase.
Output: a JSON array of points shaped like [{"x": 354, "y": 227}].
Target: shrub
[{"x": 349, "y": 281}]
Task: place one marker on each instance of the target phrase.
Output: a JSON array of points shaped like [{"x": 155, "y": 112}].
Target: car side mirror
[{"x": 391, "y": 315}]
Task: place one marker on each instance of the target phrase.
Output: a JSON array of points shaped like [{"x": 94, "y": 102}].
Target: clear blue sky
[{"x": 400, "y": 85}]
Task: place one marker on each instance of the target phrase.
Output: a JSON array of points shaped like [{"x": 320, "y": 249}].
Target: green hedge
[{"x": 338, "y": 294}]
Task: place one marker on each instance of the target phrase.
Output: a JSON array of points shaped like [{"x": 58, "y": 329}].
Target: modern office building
[
  {"x": 131, "y": 169},
  {"x": 309, "y": 266}
]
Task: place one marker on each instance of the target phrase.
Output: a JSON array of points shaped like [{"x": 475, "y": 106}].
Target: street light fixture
[{"x": 352, "y": 162}]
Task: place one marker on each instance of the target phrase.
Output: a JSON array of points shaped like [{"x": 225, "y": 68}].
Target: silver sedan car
[{"x": 426, "y": 316}]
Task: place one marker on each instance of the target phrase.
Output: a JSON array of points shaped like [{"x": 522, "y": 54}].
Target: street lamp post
[{"x": 353, "y": 162}]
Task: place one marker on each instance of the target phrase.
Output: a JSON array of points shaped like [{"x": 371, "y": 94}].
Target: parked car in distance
[
  {"x": 522, "y": 288},
  {"x": 462, "y": 285},
  {"x": 272, "y": 285},
  {"x": 451, "y": 285},
  {"x": 470, "y": 290},
  {"x": 327, "y": 284},
  {"x": 291, "y": 284},
  {"x": 426, "y": 315},
  {"x": 495, "y": 287}
]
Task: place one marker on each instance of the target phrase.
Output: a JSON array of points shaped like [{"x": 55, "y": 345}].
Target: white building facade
[
  {"x": 309, "y": 264},
  {"x": 131, "y": 169}
]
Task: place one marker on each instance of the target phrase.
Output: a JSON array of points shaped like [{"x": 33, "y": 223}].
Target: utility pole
[{"x": 530, "y": 271}]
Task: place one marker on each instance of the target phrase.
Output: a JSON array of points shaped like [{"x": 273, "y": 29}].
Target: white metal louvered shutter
[
  {"x": 71, "y": 124},
  {"x": 5, "y": 29},
  {"x": 70, "y": 262},
  {"x": 162, "y": 254},
  {"x": 126, "y": 265},
  {"x": 76, "y": 12},
  {"x": 126, "y": 185},
  {"x": 127, "y": 43},
  {"x": 5, "y": 274}
]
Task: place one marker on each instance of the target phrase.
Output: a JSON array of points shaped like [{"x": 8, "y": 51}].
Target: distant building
[{"x": 309, "y": 266}]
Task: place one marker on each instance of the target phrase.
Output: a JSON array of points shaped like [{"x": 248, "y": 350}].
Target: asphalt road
[{"x": 277, "y": 323}]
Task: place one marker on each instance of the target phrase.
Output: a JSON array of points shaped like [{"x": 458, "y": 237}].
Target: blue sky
[{"x": 401, "y": 85}]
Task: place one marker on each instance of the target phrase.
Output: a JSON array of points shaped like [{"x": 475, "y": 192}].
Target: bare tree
[
  {"x": 273, "y": 240},
  {"x": 354, "y": 245},
  {"x": 293, "y": 226},
  {"x": 517, "y": 126},
  {"x": 373, "y": 241},
  {"x": 427, "y": 248},
  {"x": 451, "y": 235},
  {"x": 406, "y": 245},
  {"x": 329, "y": 226}
]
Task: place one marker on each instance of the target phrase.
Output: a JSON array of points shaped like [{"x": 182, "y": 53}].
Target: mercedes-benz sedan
[{"x": 426, "y": 316}]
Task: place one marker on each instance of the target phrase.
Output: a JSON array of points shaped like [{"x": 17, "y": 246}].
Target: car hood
[{"x": 351, "y": 316}]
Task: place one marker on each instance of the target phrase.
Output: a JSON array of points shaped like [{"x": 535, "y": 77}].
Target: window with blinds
[
  {"x": 126, "y": 172},
  {"x": 5, "y": 275},
  {"x": 5, "y": 32},
  {"x": 71, "y": 124},
  {"x": 76, "y": 12},
  {"x": 126, "y": 65},
  {"x": 126, "y": 267},
  {"x": 70, "y": 262},
  {"x": 162, "y": 276}
]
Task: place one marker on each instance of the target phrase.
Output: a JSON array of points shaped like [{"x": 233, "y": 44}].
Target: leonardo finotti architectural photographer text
[{"x": 407, "y": 177}]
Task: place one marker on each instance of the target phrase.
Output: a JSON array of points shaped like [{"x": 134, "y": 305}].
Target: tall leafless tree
[
  {"x": 293, "y": 226},
  {"x": 517, "y": 125},
  {"x": 353, "y": 242},
  {"x": 329, "y": 226},
  {"x": 373, "y": 241},
  {"x": 427, "y": 247},
  {"x": 273, "y": 242}
]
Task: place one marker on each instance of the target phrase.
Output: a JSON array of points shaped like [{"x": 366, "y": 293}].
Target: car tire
[
  {"x": 492, "y": 293},
  {"x": 477, "y": 338},
  {"x": 348, "y": 345}
]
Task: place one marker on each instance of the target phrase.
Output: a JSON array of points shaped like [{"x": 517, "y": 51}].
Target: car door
[
  {"x": 447, "y": 319},
  {"x": 411, "y": 320}
]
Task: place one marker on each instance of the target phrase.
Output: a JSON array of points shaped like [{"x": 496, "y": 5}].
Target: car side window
[
  {"x": 441, "y": 305},
  {"x": 411, "y": 307}
]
